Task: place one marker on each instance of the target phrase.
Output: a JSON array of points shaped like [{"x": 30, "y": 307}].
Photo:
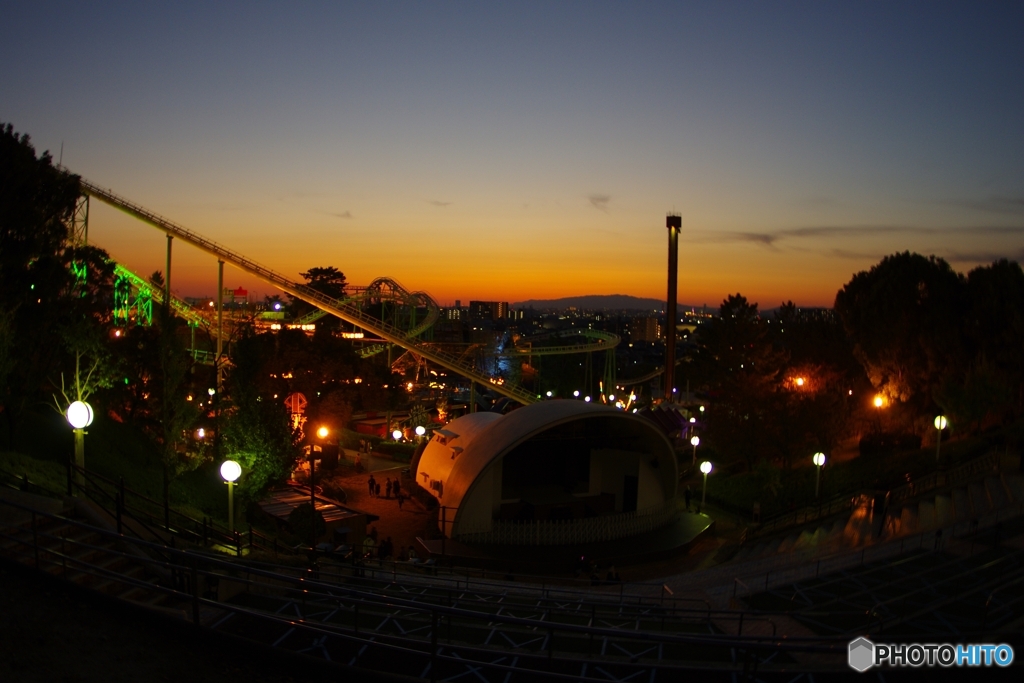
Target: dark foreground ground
[{"x": 56, "y": 633}]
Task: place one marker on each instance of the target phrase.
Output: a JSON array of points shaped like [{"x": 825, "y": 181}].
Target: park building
[{"x": 552, "y": 473}]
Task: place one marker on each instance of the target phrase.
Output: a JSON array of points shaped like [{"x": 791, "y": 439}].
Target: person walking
[
  {"x": 387, "y": 488},
  {"x": 372, "y": 484},
  {"x": 376, "y": 490},
  {"x": 401, "y": 499},
  {"x": 396, "y": 486}
]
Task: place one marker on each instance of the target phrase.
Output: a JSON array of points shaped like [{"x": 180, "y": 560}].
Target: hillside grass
[
  {"x": 44, "y": 443},
  {"x": 879, "y": 472}
]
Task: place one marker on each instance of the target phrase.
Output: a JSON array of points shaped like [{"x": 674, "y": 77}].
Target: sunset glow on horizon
[{"x": 532, "y": 151}]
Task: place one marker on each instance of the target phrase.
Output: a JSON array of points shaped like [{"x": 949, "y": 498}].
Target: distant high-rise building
[
  {"x": 645, "y": 330},
  {"x": 488, "y": 310}
]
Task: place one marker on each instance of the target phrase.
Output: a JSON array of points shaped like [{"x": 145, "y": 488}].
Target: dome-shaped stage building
[{"x": 552, "y": 473}]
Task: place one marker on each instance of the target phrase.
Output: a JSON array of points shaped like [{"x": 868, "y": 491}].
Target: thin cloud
[
  {"x": 343, "y": 214},
  {"x": 773, "y": 239},
  {"x": 599, "y": 201},
  {"x": 435, "y": 202},
  {"x": 984, "y": 256},
  {"x": 991, "y": 204}
]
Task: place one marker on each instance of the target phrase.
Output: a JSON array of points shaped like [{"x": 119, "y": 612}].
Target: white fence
[{"x": 569, "y": 531}]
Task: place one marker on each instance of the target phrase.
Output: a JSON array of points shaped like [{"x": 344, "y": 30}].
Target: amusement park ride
[{"x": 400, "y": 322}]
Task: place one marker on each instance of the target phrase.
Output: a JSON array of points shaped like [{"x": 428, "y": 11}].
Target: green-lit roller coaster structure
[{"x": 403, "y": 318}]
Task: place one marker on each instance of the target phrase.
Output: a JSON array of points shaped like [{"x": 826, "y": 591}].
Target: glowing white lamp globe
[
  {"x": 940, "y": 422},
  {"x": 79, "y": 414},
  {"x": 230, "y": 470},
  {"x": 323, "y": 432},
  {"x": 397, "y": 434},
  {"x": 421, "y": 430},
  {"x": 705, "y": 467},
  {"x": 819, "y": 459},
  {"x": 695, "y": 441}
]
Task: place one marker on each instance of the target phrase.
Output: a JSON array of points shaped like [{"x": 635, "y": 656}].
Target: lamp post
[
  {"x": 231, "y": 471},
  {"x": 695, "y": 440},
  {"x": 819, "y": 460},
  {"x": 79, "y": 416},
  {"x": 420, "y": 431},
  {"x": 705, "y": 467},
  {"x": 940, "y": 424},
  {"x": 397, "y": 435},
  {"x": 322, "y": 432}
]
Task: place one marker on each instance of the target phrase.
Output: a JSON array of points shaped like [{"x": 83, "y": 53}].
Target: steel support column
[{"x": 673, "y": 223}]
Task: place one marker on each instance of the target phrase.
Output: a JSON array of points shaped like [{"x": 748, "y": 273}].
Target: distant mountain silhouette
[{"x": 611, "y": 302}]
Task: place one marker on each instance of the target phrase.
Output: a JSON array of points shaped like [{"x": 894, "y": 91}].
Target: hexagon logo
[{"x": 862, "y": 654}]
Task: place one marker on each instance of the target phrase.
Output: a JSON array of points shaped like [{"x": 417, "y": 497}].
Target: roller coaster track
[
  {"x": 347, "y": 311},
  {"x": 603, "y": 341},
  {"x": 181, "y": 308}
]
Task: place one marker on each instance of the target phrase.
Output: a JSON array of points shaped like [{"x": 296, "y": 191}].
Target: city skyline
[{"x": 513, "y": 153}]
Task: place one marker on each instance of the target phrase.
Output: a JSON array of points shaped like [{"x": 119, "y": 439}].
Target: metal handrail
[
  {"x": 306, "y": 585},
  {"x": 213, "y": 530}
]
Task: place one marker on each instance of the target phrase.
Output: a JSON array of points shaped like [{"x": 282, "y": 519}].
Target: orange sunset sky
[{"x": 532, "y": 150}]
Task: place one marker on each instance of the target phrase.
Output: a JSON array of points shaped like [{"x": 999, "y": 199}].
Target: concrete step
[
  {"x": 925, "y": 515},
  {"x": 787, "y": 543},
  {"x": 997, "y": 492},
  {"x": 1015, "y": 484},
  {"x": 962, "y": 505},
  {"x": 979, "y": 498},
  {"x": 943, "y": 510}
]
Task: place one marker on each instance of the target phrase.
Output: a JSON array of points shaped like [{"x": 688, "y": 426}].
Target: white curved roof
[
  {"x": 437, "y": 461},
  {"x": 478, "y": 439}
]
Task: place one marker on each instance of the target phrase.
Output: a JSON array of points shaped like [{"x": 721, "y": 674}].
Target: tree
[
  {"x": 327, "y": 280},
  {"x": 743, "y": 370},
  {"x": 37, "y": 200},
  {"x": 257, "y": 429},
  {"x": 995, "y": 329},
  {"x": 902, "y": 317}
]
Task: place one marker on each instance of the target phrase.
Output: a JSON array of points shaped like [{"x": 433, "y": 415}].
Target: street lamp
[
  {"x": 397, "y": 435},
  {"x": 819, "y": 460},
  {"x": 695, "y": 440},
  {"x": 705, "y": 467},
  {"x": 322, "y": 432},
  {"x": 231, "y": 471},
  {"x": 940, "y": 424},
  {"x": 79, "y": 416},
  {"x": 420, "y": 431}
]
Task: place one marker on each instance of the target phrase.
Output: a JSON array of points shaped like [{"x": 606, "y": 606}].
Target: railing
[
  {"x": 344, "y": 310},
  {"x": 761, "y": 574},
  {"x": 571, "y": 531},
  {"x": 809, "y": 514},
  {"x": 153, "y": 520},
  {"x": 161, "y": 521},
  {"x": 839, "y": 503},
  {"x": 567, "y": 640}
]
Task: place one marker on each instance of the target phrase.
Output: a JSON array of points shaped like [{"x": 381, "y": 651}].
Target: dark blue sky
[{"x": 532, "y": 149}]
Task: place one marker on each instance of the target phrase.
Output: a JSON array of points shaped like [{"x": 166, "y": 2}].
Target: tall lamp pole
[
  {"x": 940, "y": 424},
  {"x": 705, "y": 467},
  {"x": 231, "y": 471},
  {"x": 819, "y": 460},
  {"x": 322, "y": 433},
  {"x": 79, "y": 416}
]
